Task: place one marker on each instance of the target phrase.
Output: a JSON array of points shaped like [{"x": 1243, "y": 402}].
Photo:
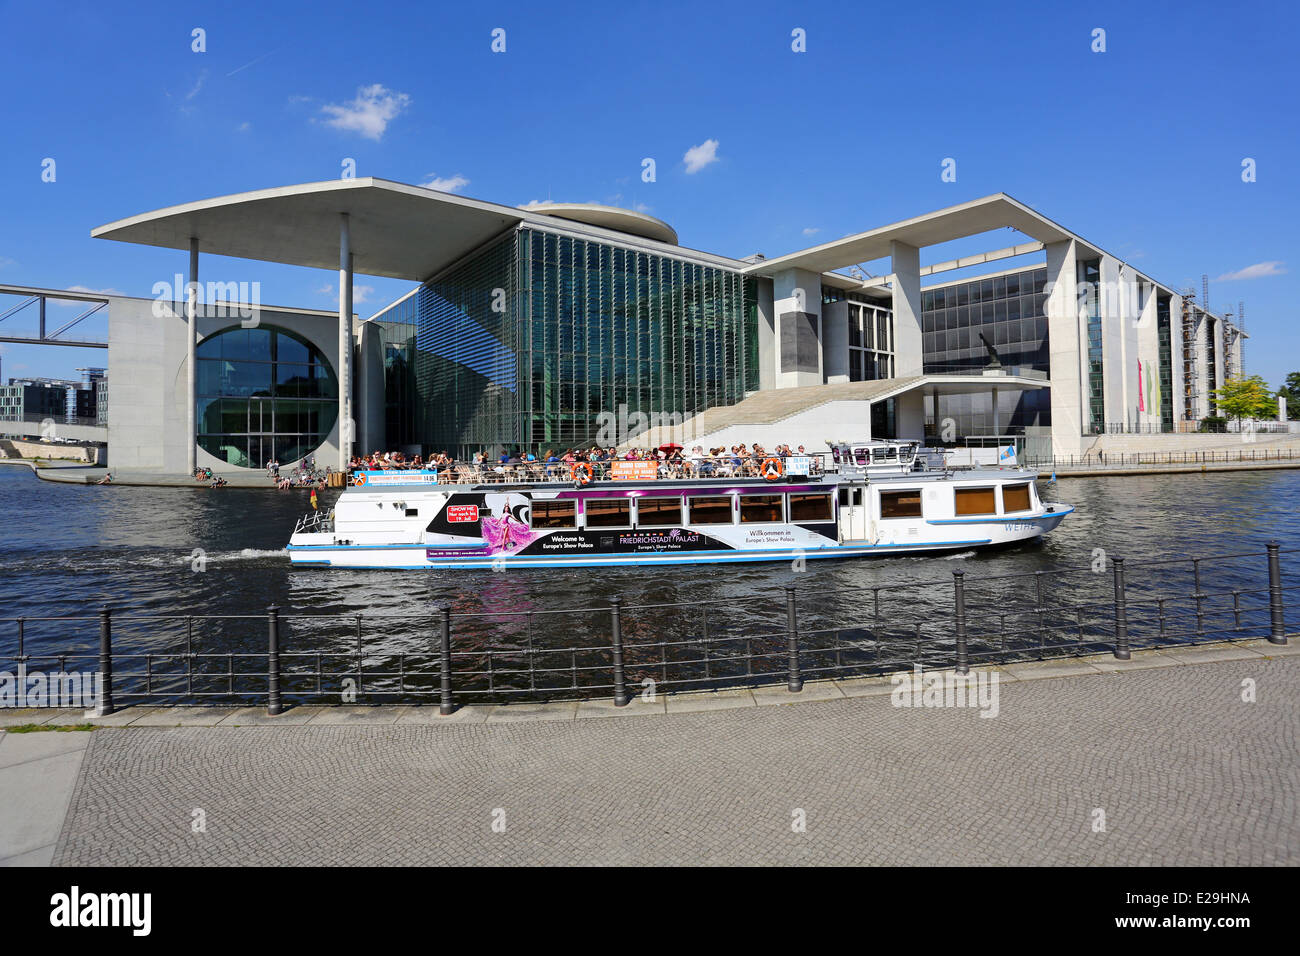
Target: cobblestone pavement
[{"x": 1184, "y": 770}]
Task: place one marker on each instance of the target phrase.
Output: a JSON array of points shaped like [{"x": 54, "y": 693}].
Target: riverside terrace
[{"x": 292, "y": 657}]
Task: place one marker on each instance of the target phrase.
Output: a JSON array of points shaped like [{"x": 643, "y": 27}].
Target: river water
[{"x": 179, "y": 551}]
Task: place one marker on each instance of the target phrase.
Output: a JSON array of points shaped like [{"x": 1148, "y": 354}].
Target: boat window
[
  {"x": 862, "y": 456},
  {"x": 810, "y": 507},
  {"x": 975, "y": 501},
  {"x": 1015, "y": 497},
  {"x": 658, "y": 512},
  {"x": 713, "y": 509},
  {"x": 844, "y": 497},
  {"x": 608, "y": 512},
  {"x": 412, "y": 512},
  {"x": 760, "y": 508},
  {"x": 554, "y": 514},
  {"x": 901, "y": 504}
]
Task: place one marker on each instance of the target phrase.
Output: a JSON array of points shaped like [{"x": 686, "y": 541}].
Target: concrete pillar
[
  {"x": 835, "y": 342},
  {"x": 1068, "y": 349},
  {"x": 905, "y": 264},
  {"x": 346, "y": 428},
  {"x": 909, "y": 415},
  {"x": 797, "y": 305},
  {"x": 768, "y": 355},
  {"x": 369, "y": 398},
  {"x": 997, "y": 424},
  {"x": 191, "y": 369}
]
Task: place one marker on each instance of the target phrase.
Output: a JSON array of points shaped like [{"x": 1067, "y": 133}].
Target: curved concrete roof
[
  {"x": 396, "y": 230},
  {"x": 609, "y": 217}
]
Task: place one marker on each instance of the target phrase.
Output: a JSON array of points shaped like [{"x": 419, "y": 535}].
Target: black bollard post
[
  {"x": 616, "y": 628},
  {"x": 959, "y": 620},
  {"x": 794, "y": 679},
  {"x": 273, "y": 660},
  {"x": 1121, "y": 614},
  {"x": 1277, "y": 633},
  {"x": 446, "y": 705},
  {"x": 106, "y": 661}
]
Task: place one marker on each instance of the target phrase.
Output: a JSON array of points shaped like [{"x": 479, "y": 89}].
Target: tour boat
[{"x": 874, "y": 498}]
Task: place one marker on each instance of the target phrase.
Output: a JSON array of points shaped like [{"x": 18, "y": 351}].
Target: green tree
[
  {"x": 1291, "y": 392},
  {"x": 1245, "y": 398}
]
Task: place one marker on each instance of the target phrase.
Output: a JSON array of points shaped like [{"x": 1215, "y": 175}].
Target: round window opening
[{"x": 263, "y": 394}]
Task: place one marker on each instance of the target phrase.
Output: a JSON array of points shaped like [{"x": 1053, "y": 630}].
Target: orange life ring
[
  {"x": 581, "y": 467},
  {"x": 772, "y": 469}
]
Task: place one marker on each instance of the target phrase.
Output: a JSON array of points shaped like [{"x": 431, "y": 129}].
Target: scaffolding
[{"x": 1191, "y": 356}]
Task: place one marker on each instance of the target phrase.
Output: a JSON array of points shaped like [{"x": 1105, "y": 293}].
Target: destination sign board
[
  {"x": 647, "y": 470},
  {"x": 366, "y": 479}
]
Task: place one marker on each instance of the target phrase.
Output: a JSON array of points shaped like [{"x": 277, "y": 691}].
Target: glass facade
[
  {"x": 1089, "y": 279},
  {"x": 1166, "y": 363},
  {"x": 871, "y": 342},
  {"x": 263, "y": 393},
  {"x": 546, "y": 340},
  {"x": 1009, "y": 311}
]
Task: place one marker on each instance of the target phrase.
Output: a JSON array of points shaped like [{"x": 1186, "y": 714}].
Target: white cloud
[
  {"x": 535, "y": 203},
  {"x": 243, "y": 127},
  {"x": 448, "y": 185},
  {"x": 1259, "y": 270},
  {"x": 640, "y": 207},
  {"x": 369, "y": 113},
  {"x": 811, "y": 231},
  {"x": 360, "y": 293},
  {"x": 6, "y": 262},
  {"x": 194, "y": 90},
  {"x": 89, "y": 291},
  {"x": 697, "y": 157}
]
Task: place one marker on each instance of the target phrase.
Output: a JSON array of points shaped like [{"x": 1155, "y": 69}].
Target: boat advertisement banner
[
  {"x": 363, "y": 479},
  {"x": 798, "y": 465},
  {"x": 623, "y": 542},
  {"x": 647, "y": 470}
]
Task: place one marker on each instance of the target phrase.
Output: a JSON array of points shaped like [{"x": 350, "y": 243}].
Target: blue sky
[{"x": 1138, "y": 149}]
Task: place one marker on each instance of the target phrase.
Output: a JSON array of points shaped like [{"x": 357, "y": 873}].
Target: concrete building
[
  {"x": 65, "y": 401},
  {"x": 559, "y": 325}
]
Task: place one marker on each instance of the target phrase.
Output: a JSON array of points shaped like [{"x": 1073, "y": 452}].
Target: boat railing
[
  {"x": 315, "y": 522},
  {"x": 681, "y": 469}
]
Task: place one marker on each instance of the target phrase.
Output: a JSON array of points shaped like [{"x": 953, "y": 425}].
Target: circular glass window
[{"x": 263, "y": 393}]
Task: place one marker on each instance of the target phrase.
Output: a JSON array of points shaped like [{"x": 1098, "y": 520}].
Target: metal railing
[
  {"x": 1127, "y": 459},
  {"x": 615, "y": 650},
  {"x": 721, "y": 466}
]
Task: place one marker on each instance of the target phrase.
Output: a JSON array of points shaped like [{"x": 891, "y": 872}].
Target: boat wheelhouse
[{"x": 874, "y": 498}]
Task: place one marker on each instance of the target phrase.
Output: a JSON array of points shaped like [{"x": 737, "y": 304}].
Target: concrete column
[
  {"x": 346, "y": 432},
  {"x": 768, "y": 354},
  {"x": 997, "y": 425},
  {"x": 835, "y": 342},
  {"x": 905, "y": 264},
  {"x": 191, "y": 369},
  {"x": 800, "y": 335},
  {"x": 1068, "y": 349}
]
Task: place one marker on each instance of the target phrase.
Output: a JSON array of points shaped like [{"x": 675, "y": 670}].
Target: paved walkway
[
  {"x": 37, "y": 774},
  {"x": 1183, "y": 770}
]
